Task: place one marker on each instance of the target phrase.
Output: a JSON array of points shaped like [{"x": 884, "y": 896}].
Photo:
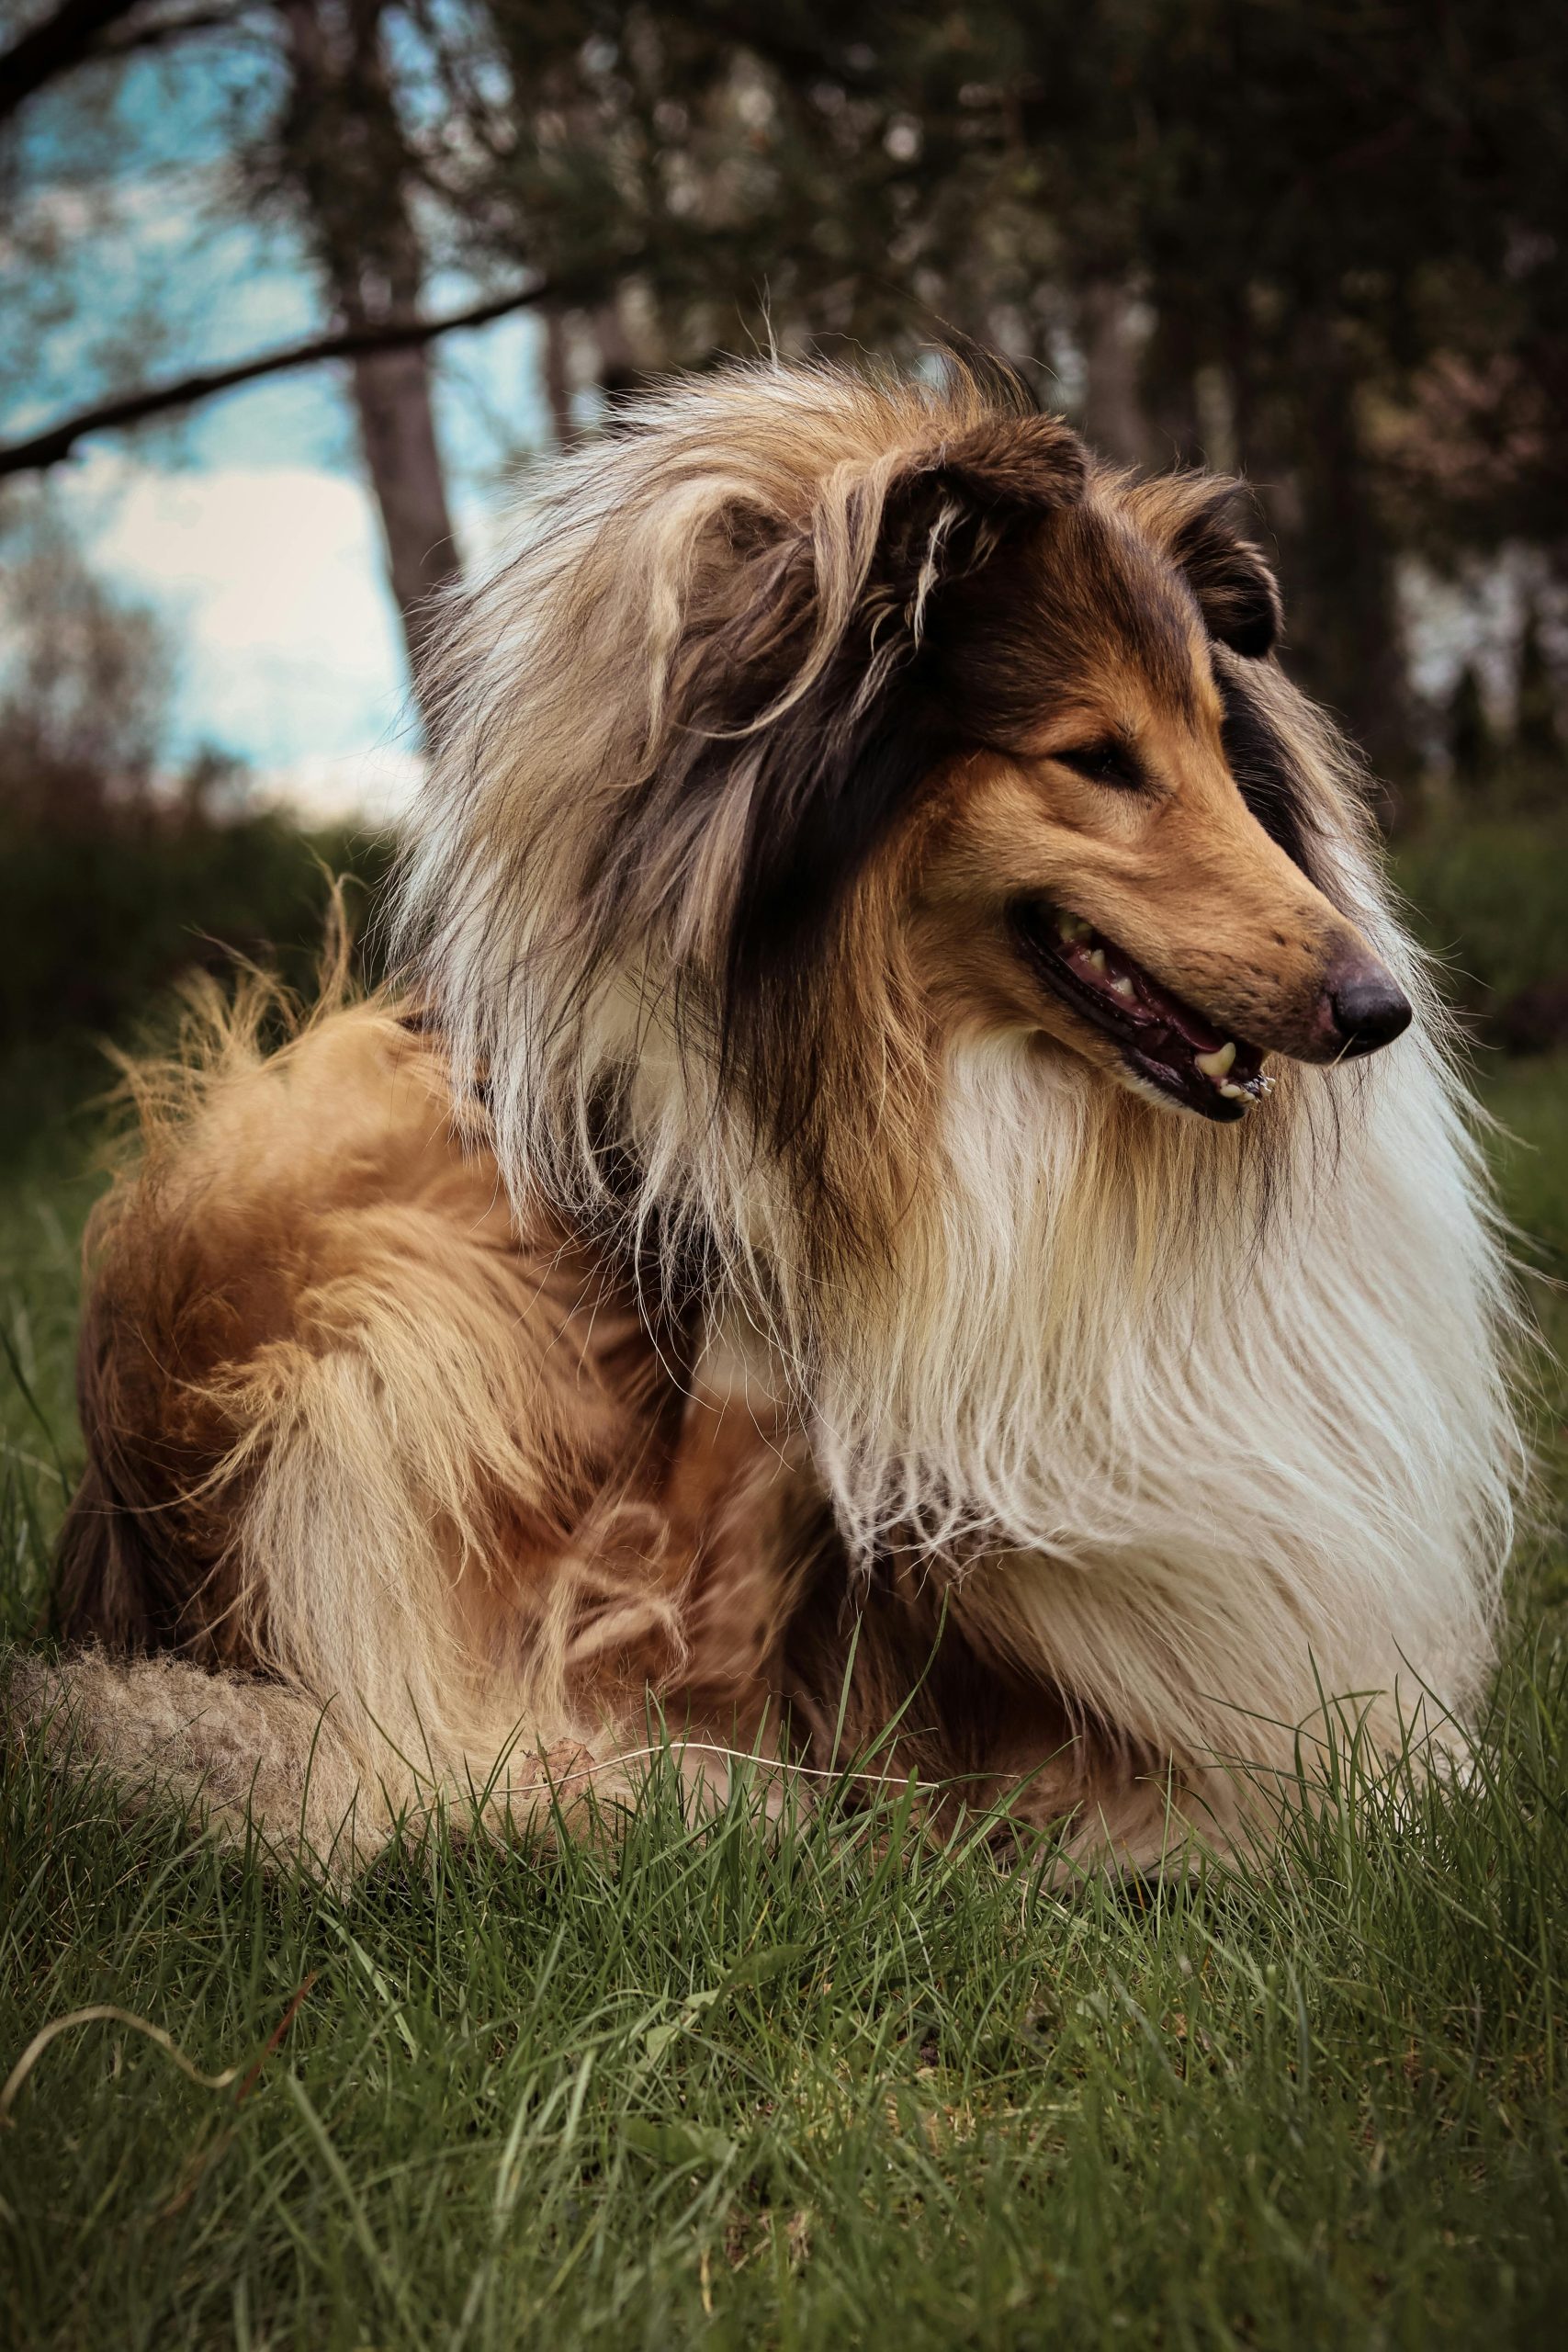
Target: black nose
[{"x": 1370, "y": 1010}]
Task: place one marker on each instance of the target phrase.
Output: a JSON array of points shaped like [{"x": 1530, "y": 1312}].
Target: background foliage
[{"x": 1318, "y": 240}]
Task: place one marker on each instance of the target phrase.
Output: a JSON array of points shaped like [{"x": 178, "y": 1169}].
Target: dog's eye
[{"x": 1109, "y": 764}]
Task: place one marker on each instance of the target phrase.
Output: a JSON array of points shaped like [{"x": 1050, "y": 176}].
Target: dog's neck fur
[
  {"x": 1097, "y": 1323},
  {"x": 1236, "y": 1391},
  {"x": 1180, "y": 1409}
]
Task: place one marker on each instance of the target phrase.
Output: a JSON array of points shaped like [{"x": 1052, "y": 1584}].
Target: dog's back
[
  {"x": 386, "y": 1502},
  {"x": 338, "y": 1420}
]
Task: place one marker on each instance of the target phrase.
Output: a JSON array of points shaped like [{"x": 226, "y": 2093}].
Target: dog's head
[
  {"x": 846, "y": 720},
  {"x": 1041, "y": 733}
]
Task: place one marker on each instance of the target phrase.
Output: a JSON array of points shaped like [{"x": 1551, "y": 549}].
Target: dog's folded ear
[
  {"x": 1011, "y": 466},
  {"x": 953, "y": 505},
  {"x": 833, "y": 599},
  {"x": 1236, "y": 590}
]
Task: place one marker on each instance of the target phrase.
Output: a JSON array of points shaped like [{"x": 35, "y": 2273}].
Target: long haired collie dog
[{"x": 872, "y": 1226}]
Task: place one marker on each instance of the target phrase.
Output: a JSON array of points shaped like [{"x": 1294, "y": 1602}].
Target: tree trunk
[
  {"x": 1114, "y": 419},
  {"x": 1352, "y": 651},
  {"x": 397, "y": 431},
  {"x": 1295, "y": 414},
  {"x": 346, "y": 155}
]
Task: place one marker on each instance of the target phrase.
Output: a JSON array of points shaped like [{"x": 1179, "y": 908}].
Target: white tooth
[
  {"x": 1236, "y": 1093},
  {"x": 1216, "y": 1065},
  {"x": 1066, "y": 926},
  {"x": 1122, "y": 986},
  {"x": 1097, "y": 957}
]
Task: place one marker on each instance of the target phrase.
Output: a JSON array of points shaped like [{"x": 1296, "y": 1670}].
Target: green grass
[{"x": 815, "y": 2085}]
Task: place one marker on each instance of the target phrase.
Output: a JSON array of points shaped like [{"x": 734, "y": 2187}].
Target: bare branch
[
  {"x": 159, "y": 32},
  {"x": 64, "y": 38},
  {"x": 47, "y": 448}
]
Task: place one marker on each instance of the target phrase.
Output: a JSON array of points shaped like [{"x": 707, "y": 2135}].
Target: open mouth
[{"x": 1161, "y": 1040}]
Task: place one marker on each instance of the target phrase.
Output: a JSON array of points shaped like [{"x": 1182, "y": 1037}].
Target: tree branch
[
  {"x": 47, "y": 448},
  {"x": 64, "y": 38},
  {"x": 159, "y": 32}
]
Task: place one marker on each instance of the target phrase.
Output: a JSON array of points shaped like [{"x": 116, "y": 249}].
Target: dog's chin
[{"x": 1165, "y": 1050}]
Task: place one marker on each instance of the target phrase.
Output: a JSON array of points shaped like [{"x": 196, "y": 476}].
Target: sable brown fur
[
  {"x": 309, "y": 1256},
  {"x": 740, "y": 1270}
]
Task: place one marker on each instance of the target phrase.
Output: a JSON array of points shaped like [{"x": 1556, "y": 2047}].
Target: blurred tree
[
  {"x": 317, "y": 143},
  {"x": 1278, "y": 236},
  {"x": 1472, "y": 743},
  {"x": 1538, "y": 732},
  {"x": 336, "y": 153},
  {"x": 119, "y": 872},
  {"x": 83, "y": 690},
  {"x": 1319, "y": 241},
  {"x": 86, "y": 683}
]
